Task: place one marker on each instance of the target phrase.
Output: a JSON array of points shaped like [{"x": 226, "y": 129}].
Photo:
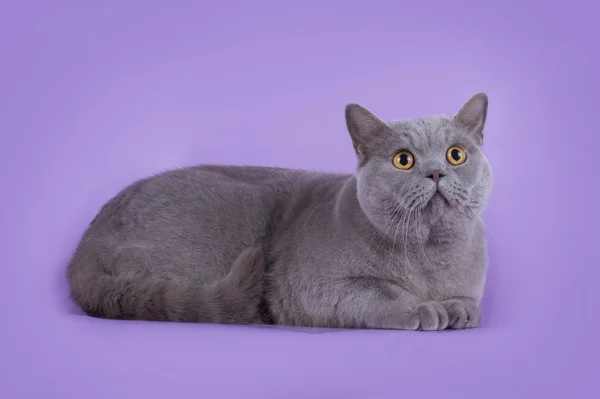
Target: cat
[{"x": 399, "y": 244}]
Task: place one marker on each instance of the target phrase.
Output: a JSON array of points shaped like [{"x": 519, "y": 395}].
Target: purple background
[{"x": 96, "y": 94}]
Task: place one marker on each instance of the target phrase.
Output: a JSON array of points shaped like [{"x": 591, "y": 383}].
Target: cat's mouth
[{"x": 438, "y": 198}]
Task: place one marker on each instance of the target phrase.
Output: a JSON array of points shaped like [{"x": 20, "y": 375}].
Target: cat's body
[{"x": 239, "y": 244}]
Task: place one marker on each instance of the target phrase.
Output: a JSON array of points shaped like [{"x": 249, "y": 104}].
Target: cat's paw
[
  {"x": 432, "y": 316},
  {"x": 462, "y": 314}
]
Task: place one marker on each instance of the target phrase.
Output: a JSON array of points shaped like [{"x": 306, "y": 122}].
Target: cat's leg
[
  {"x": 463, "y": 312},
  {"x": 374, "y": 303},
  {"x": 134, "y": 289}
]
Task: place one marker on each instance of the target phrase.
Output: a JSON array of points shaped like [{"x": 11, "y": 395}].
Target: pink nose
[{"x": 435, "y": 175}]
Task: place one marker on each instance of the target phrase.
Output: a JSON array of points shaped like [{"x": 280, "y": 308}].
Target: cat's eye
[
  {"x": 403, "y": 160},
  {"x": 456, "y": 155}
]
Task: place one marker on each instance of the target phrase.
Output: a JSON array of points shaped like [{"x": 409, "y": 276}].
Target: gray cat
[{"x": 398, "y": 245}]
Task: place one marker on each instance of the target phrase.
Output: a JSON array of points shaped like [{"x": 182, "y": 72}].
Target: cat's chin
[{"x": 436, "y": 206}]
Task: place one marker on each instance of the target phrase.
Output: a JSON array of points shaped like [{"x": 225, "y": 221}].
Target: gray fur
[{"x": 382, "y": 248}]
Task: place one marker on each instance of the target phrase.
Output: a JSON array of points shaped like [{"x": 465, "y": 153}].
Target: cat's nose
[{"x": 435, "y": 175}]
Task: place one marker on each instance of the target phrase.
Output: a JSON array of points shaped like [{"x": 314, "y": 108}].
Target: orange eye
[
  {"x": 456, "y": 155},
  {"x": 404, "y": 160}
]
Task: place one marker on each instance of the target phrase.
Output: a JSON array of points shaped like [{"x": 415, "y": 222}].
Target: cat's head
[{"x": 433, "y": 165}]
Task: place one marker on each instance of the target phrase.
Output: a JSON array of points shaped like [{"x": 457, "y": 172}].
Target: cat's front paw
[
  {"x": 432, "y": 316},
  {"x": 462, "y": 314}
]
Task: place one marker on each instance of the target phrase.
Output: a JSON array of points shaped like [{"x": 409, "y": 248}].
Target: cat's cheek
[
  {"x": 368, "y": 203},
  {"x": 372, "y": 215}
]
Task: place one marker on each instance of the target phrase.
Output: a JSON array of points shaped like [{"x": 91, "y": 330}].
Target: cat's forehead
[{"x": 428, "y": 131}]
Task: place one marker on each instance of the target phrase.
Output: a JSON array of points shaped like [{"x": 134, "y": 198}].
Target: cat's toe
[
  {"x": 473, "y": 318},
  {"x": 432, "y": 316},
  {"x": 457, "y": 315},
  {"x": 462, "y": 315}
]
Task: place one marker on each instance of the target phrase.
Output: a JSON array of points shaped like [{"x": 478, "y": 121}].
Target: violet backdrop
[{"x": 96, "y": 94}]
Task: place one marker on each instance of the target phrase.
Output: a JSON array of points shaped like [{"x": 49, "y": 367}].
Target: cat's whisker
[
  {"x": 487, "y": 227},
  {"x": 468, "y": 226},
  {"x": 392, "y": 221},
  {"x": 400, "y": 222},
  {"x": 405, "y": 236},
  {"x": 420, "y": 241}
]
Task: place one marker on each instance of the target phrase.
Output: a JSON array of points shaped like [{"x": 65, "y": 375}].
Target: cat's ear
[
  {"x": 471, "y": 117},
  {"x": 364, "y": 128}
]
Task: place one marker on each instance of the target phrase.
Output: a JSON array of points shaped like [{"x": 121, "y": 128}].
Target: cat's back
[
  {"x": 207, "y": 195},
  {"x": 216, "y": 177},
  {"x": 230, "y": 184}
]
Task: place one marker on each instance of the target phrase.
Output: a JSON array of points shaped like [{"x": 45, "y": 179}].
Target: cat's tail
[{"x": 233, "y": 299}]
